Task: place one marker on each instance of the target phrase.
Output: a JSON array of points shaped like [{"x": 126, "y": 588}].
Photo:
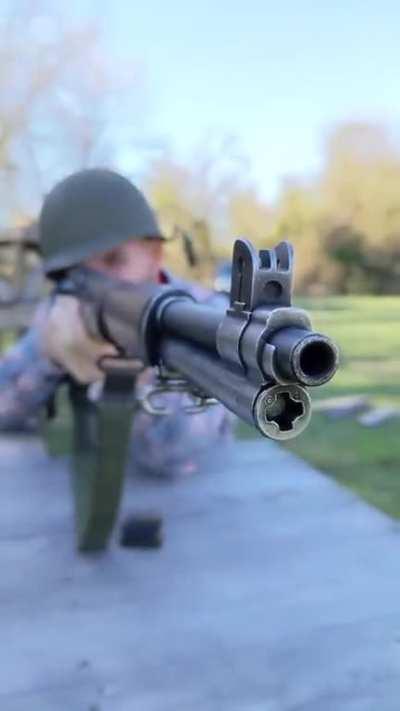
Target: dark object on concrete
[{"x": 142, "y": 530}]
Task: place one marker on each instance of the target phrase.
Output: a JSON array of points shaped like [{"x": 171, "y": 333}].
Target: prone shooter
[{"x": 256, "y": 357}]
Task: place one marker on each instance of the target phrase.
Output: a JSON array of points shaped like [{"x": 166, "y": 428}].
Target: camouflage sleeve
[
  {"x": 175, "y": 444},
  {"x": 27, "y": 381},
  {"x": 172, "y": 445}
]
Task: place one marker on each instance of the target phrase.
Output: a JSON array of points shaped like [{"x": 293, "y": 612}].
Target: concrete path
[{"x": 275, "y": 591}]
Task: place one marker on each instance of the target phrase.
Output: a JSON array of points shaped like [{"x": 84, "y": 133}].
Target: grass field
[{"x": 367, "y": 331}]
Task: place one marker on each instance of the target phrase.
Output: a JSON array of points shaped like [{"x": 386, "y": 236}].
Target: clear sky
[{"x": 274, "y": 74}]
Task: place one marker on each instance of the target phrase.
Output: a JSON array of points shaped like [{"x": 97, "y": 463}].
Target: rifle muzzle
[{"x": 304, "y": 357}]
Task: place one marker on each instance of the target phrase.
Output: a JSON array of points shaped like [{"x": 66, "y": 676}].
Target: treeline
[
  {"x": 344, "y": 223},
  {"x": 67, "y": 102}
]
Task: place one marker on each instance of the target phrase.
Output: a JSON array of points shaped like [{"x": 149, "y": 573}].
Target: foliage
[
  {"x": 344, "y": 223},
  {"x": 192, "y": 197}
]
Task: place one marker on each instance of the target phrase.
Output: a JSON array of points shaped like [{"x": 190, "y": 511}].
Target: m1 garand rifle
[{"x": 257, "y": 358}]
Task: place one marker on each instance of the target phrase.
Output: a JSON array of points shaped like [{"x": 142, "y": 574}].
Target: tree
[
  {"x": 249, "y": 216},
  {"x": 360, "y": 184},
  {"x": 193, "y": 196},
  {"x": 65, "y": 103},
  {"x": 345, "y": 224},
  {"x": 298, "y": 217},
  {"x": 360, "y": 194}
]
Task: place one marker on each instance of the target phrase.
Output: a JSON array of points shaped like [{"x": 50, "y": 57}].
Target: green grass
[
  {"x": 367, "y": 331},
  {"x": 7, "y": 338},
  {"x": 367, "y": 460}
]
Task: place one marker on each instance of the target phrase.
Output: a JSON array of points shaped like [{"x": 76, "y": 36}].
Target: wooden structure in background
[{"x": 21, "y": 281}]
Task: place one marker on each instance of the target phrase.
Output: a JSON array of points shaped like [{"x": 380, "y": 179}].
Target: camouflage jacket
[{"x": 161, "y": 445}]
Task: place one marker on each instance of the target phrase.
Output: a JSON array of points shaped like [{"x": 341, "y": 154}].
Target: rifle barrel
[
  {"x": 278, "y": 411},
  {"x": 192, "y": 321}
]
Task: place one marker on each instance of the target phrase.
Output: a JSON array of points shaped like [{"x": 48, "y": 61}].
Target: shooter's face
[{"x": 134, "y": 260}]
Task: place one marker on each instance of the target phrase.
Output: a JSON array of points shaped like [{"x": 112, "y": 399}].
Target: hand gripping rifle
[{"x": 256, "y": 358}]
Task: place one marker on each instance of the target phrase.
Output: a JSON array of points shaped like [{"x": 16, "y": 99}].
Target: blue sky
[{"x": 276, "y": 75}]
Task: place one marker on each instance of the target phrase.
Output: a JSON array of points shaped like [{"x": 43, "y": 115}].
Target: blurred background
[{"x": 262, "y": 120}]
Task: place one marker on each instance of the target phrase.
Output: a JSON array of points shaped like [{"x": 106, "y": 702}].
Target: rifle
[{"x": 257, "y": 357}]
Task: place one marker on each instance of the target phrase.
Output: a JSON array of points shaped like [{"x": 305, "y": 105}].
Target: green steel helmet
[{"x": 91, "y": 212}]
